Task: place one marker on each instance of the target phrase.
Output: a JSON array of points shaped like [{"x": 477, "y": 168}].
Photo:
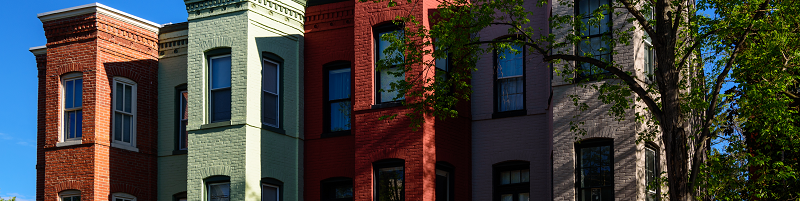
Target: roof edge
[
  {"x": 99, "y": 8},
  {"x": 38, "y": 50}
]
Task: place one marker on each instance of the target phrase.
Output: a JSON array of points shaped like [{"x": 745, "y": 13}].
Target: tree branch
[
  {"x": 642, "y": 21},
  {"x": 696, "y": 45}
]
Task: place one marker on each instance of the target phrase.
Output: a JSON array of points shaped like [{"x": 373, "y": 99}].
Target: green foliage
[{"x": 12, "y": 199}]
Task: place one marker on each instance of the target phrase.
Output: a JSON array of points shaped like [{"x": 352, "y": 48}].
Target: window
[
  {"x": 220, "y": 96},
  {"x": 124, "y": 101},
  {"x": 73, "y": 104},
  {"x": 270, "y": 84},
  {"x": 70, "y": 195},
  {"x": 122, "y": 197},
  {"x": 651, "y": 172},
  {"x": 218, "y": 188},
  {"x": 512, "y": 181},
  {"x": 649, "y": 63},
  {"x": 179, "y": 196},
  {"x": 337, "y": 98},
  {"x": 337, "y": 189},
  {"x": 510, "y": 82},
  {"x": 593, "y": 44},
  {"x": 444, "y": 182},
  {"x": 389, "y": 180},
  {"x": 183, "y": 120},
  {"x": 595, "y": 171},
  {"x": 384, "y": 78},
  {"x": 443, "y": 65},
  {"x": 271, "y": 189}
]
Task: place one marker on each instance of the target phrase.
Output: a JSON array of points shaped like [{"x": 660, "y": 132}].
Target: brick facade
[{"x": 100, "y": 43}]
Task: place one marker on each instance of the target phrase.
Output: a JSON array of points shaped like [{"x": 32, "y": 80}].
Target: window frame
[
  {"x": 278, "y": 93},
  {"x": 609, "y": 33},
  {"x": 650, "y": 63},
  {"x": 587, "y": 144},
  {"x": 338, "y": 65},
  {"x": 495, "y": 85},
  {"x": 211, "y": 55},
  {"x": 179, "y": 196},
  {"x": 273, "y": 58},
  {"x": 179, "y": 110},
  {"x": 656, "y": 170},
  {"x": 387, "y": 163},
  {"x": 123, "y": 196},
  {"x": 327, "y": 188},
  {"x": 69, "y": 193},
  {"x": 499, "y": 189},
  {"x": 275, "y": 183},
  {"x": 216, "y": 180},
  {"x": 376, "y": 31},
  {"x": 450, "y": 170},
  {"x": 64, "y": 111},
  {"x": 114, "y": 91}
]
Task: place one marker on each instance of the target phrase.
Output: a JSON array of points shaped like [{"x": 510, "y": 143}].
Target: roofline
[
  {"x": 99, "y": 8},
  {"x": 38, "y": 50}
]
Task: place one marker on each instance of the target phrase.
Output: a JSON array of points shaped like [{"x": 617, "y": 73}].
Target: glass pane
[
  {"x": 221, "y": 105},
  {"x": 339, "y": 84},
  {"x": 344, "y": 191},
  {"x": 584, "y": 7},
  {"x": 128, "y": 98},
  {"x": 525, "y": 176},
  {"x": 72, "y": 127},
  {"x": 511, "y": 94},
  {"x": 126, "y": 130},
  {"x": 524, "y": 197},
  {"x": 441, "y": 63},
  {"x": 383, "y": 44},
  {"x": 270, "y": 77},
  {"x": 66, "y": 198},
  {"x": 340, "y": 116},
  {"x": 269, "y": 193},
  {"x": 390, "y": 184},
  {"x": 509, "y": 64},
  {"x": 441, "y": 187},
  {"x": 596, "y": 195},
  {"x": 78, "y": 94},
  {"x": 182, "y": 199},
  {"x": 606, "y": 155},
  {"x": 184, "y": 105},
  {"x": 505, "y": 177},
  {"x": 515, "y": 176},
  {"x": 117, "y": 126},
  {"x": 119, "y": 199},
  {"x": 270, "y": 109},
  {"x": 69, "y": 94},
  {"x": 79, "y": 123},
  {"x": 184, "y": 135},
  {"x": 386, "y": 79},
  {"x": 221, "y": 72},
  {"x": 507, "y": 197},
  {"x": 119, "y": 99},
  {"x": 219, "y": 192}
]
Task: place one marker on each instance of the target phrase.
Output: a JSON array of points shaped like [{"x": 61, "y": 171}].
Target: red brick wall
[
  {"x": 100, "y": 47},
  {"x": 328, "y": 38}
]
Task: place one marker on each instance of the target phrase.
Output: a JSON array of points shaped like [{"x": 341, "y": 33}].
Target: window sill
[
  {"x": 335, "y": 134},
  {"x": 69, "y": 143},
  {"x": 216, "y": 124},
  {"x": 387, "y": 104},
  {"x": 180, "y": 152},
  {"x": 506, "y": 114},
  {"x": 124, "y": 146},
  {"x": 273, "y": 129}
]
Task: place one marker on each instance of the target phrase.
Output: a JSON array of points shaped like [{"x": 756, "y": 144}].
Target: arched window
[
  {"x": 651, "y": 169},
  {"x": 124, "y": 113},
  {"x": 510, "y": 79},
  {"x": 389, "y": 181},
  {"x": 122, "y": 197},
  {"x": 512, "y": 181},
  {"x": 69, "y": 195},
  {"x": 219, "y": 65},
  {"x": 336, "y": 189},
  {"x": 383, "y": 78},
  {"x": 595, "y": 169},
  {"x": 271, "y": 189},
  {"x": 218, "y": 188}
]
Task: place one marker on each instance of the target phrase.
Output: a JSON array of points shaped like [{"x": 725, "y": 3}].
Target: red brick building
[
  {"x": 352, "y": 155},
  {"x": 98, "y": 67}
]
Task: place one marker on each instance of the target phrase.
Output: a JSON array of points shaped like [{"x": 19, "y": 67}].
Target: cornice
[
  {"x": 102, "y": 9},
  {"x": 329, "y": 19},
  {"x": 38, "y": 50},
  {"x": 206, "y": 8}
]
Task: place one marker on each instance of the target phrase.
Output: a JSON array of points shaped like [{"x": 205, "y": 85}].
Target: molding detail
[
  {"x": 99, "y": 8},
  {"x": 38, "y": 50}
]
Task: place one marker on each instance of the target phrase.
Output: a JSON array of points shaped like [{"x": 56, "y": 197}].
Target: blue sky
[{"x": 18, "y": 82}]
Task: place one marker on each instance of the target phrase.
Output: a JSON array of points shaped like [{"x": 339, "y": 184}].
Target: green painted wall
[
  {"x": 242, "y": 149},
  {"x": 171, "y": 73}
]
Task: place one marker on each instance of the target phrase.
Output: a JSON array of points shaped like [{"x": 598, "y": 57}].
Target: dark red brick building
[{"x": 93, "y": 54}]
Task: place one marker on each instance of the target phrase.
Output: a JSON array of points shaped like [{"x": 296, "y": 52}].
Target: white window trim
[
  {"x": 277, "y": 93},
  {"x": 122, "y": 196},
  {"x": 119, "y": 144},
  {"x": 181, "y": 111},
  {"x": 210, "y": 89},
  {"x": 277, "y": 191},
  {"x": 62, "y": 138},
  {"x": 648, "y": 44},
  {"x": 68, "y": 193},
  {"x": 208, "y": 189}
]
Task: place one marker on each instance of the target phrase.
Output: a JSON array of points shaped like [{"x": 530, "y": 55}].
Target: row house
[{"x": 280, "y": 100}]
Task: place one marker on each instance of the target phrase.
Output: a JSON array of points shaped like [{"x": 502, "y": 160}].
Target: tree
[{"x": 694, "y": 55}]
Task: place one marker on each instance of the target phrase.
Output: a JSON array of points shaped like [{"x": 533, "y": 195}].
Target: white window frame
[
  {"x": 211, "y": 89},
  {"x": 277, "y": 191},
  {"x": 648, "y": 47},
  {"x": 124, "y": 196},
  {"x": 68, "y": 193},
  {"x": 63, "y": 139},
  {"x": 277, "y": 93},
  {"x": 208, "y": 189},
  {"x": 121, "y": 144}
]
